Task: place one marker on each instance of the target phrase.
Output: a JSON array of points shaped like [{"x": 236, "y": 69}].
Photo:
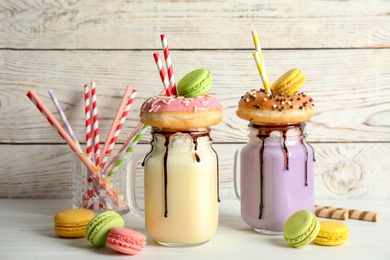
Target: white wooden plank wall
[{"x": 343, "y": 48}]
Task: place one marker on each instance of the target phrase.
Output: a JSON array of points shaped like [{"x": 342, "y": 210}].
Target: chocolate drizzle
[
  {"x": 167, "y": 135},
  {"x": 166, "y": 177},
  {"x": 285, "y": 150},
  {"x": 261, "y": 160},
  {"x": 264, "y": 132}
]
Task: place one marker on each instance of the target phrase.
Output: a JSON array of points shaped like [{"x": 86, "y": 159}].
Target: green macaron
[
  {"x": 98, "y": 228},
  {"x": 195, "y": 83},
  {"x": 301, "y": 228}
]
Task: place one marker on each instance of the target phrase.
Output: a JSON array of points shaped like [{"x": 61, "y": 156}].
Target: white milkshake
[{"x": 181, "y": 188}]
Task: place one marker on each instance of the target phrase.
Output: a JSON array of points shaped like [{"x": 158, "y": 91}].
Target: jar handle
[
  {"x": 131, "y": 177},
  {"x": 236, "y": 157}
]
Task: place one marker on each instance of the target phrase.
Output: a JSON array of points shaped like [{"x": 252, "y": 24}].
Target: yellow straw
[
  {"x": 260, "y": 67},
  {"x": 258, "y": 55}
]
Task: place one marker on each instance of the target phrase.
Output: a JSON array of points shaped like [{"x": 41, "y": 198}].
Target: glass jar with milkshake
[
  {"x": 277, "y": 164},
  {"x": 181, "y": 170}
]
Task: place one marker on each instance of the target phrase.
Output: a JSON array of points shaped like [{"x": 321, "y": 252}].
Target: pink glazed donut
[{"x": 180, "y": 113}]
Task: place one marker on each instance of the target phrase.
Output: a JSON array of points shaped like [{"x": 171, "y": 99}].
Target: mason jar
[
  {"x": 277, "y": 176},
  {"x": 181, "y": 187}
]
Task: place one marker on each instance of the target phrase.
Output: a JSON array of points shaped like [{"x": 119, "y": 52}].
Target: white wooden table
[{"x": 27, "y": 233}]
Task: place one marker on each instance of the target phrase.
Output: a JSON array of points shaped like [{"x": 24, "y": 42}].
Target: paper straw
[
  {"x": 82, "y": 156},
  {"x": 168, "y": 62},
  {"x": 134, "y": 132},
  {"x": 119, "y": 127},
  {"x": 92, "y": 186},
  {"x": 260, "y": 61},
  {"x": 163, "y": 76},
  {"x": 63, "y": 117},
  {"x": 95, "y": 120},
  {"x": 256, "y": 41},
  {"x": 88, "y": 132},
  {"x": 129, "y": 140},
  {"x": 129, "y": 149},
  {"x": 262, "y": 72},
  {"x": 115, "y": 121},
  {"x": 49, "y": 116}
]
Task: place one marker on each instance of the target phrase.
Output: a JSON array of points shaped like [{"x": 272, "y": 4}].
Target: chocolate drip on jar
[
  {"x": 166, "y": 176},
  {"x": 261, "y": 160},
  {"x": 195, "y": 141},
  {"x": 167, "y": 135},
  {"x": 264, "y": 132},
  {"x": 285, "y": 150}
]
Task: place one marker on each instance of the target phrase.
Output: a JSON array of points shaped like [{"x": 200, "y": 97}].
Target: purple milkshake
[
  {"x": 273, "y": 192},
  {"x": 277, "y": 164}
]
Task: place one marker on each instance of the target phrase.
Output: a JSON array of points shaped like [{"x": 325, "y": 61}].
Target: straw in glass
[
  {"x": 130, "y": 147},
  {"x": 163, "y": 76},
  {"x": 114, "y": 124},
  {"x": 119, "y": 127},
  {"x": 168, "y": 62},
  {"x": 63, "y": 117},
  {"x": 88, "y": 130},
  {"x": 92, "y": 187},
  {"x": 258, "y": 56},
  {"x": 82, "y": 156},
  {"x": 95, "y": 120},
  {"x": 49, "y": 116}
]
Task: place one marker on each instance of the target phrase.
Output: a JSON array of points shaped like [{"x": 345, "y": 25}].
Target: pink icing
[{"x": 158, "y": 104}]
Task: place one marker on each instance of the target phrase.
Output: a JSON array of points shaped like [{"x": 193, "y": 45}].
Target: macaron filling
[{"x": 126, "y": 241}]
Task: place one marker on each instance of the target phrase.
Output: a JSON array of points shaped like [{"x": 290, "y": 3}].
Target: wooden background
[{"x": 343, "y": 48}]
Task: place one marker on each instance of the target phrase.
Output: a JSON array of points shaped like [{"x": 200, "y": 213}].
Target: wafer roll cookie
[
  {"x": 331, "y": 212},
  {"x": 363, "y": 215}
]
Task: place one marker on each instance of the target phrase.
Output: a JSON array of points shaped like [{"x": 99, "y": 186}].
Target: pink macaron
[{"x": 126, "y": 241}]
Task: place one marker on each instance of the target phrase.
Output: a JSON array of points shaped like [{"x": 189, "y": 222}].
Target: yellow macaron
[
  {"x": 332, "y": 233},
  {"x": 289, "y": 83},
  {"x": 72, "y": 222}
]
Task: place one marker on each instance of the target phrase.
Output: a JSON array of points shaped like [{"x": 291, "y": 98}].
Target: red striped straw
[
  {"x": 132, "y": 134},
  {"x": 82, "y": 156},
  {"x": 95, "y": 120},
  {"x": 88, "y": 141},
  {"x": 163, "y": 76},
  {"x": 96, "y": 148},
  {"x": 115, "y": 121},
  {"x": 92, "y": 191},
  {"x": 119, "y": 126},
  {"x": 168, "y": 62},
  {"x": 88, "y": 133}
]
